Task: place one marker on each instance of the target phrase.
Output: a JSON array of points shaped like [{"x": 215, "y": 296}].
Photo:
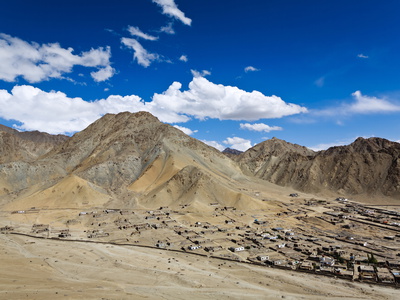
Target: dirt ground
[{"x": 34, "y": 268}]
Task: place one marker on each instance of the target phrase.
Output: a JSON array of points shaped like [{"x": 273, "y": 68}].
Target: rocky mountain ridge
[
  {"x": 135, "y": 160},
  {"x": 366, "y": 167},
  {"x": 26, "y": 146},
  {"x": 130, "y": 158}
]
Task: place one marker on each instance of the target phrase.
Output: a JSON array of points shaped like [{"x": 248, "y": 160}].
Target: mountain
[
  {"x": 134, "y": 160},
  {"x": 26, "y": 146},
  {"x": 231, "y": 153},
  {"x": 131, "y": 160},
  {"x": 365, "y": 167}
]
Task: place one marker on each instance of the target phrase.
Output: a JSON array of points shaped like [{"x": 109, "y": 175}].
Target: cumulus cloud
[
  {"x": 170, "y": 9},
  {"x": 143, "y": 57},
  {"x": 238, "y": 143},
  {"x": 214, "y": 144},
  {"x": 36, "y": 63},
  {"x": 205, "y": 99},
  {"x": 260, "y": 127},
  {"x": 168, "y": 29},
  {"x": 362, "y": 56},
  {"x": 103, "y": 74},
  {"x": 183, "y": 58},
  {"x": 135, "y": 31},
  {"x": 186, "y": 130},
  {"x": 251, "y": 69},
  {"x": 55, "y": 112}
]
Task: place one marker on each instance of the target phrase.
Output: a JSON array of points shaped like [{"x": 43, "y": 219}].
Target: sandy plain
[{"x": 33, "y": 268}]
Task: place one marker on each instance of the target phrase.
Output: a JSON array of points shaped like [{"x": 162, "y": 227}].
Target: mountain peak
[
  {"x": 277, "y": 146},
  {"x": 232, "y": 151},
  {"x": 372, "y": 144}
]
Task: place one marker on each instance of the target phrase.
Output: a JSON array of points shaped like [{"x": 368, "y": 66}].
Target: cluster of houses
[{"x": 362, "y": 243}]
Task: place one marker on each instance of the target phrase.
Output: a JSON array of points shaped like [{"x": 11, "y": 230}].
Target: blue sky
[{"x": 229, "y": 72}]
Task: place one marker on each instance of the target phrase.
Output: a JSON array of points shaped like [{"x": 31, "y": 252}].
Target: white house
[
  {"x": 236, "y": 249},
  {"x": 327, "y": 261},
  {"x": 191, "y": 247},
  {"x": 263, "y": 257}
]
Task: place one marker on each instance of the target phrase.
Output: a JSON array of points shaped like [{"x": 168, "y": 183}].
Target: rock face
[
  {"x": 128, "y": 156},
  {"x": 367, "y": 166},
  {"x": 26, "y": 146},
  {"x": 231, "y": 153},
  {"x": 135, "y": 160}
]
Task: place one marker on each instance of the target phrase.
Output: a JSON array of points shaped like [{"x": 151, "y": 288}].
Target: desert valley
[{"x": 133, "y": 208}]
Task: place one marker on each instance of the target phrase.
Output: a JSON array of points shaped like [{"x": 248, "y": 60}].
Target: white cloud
[
  {"x": 205, "y": 99},
  {"x": 54, "y": 112},
  {"x": 103, "y": 74},
  {"x": 135, "y": 31},
  {"x": 238, "y": 143},
  {"x": 259, "y": 127},
  {"x": 143, "y": 57},
  {"x": 200, "y": 73},
  {"x": 186, "y": 130},
  {"x": 168, "y": 29},
  {"x": 214, "y": 144},
  {"x": 251, "y": 69},
  {"x": 361, "y": 104},
  {"x": 362, "y": 56},
  {"x": 35, "y": 62},
  {"x": 366, "y": 105},
  {"x": 183, "y": 58},
  {"x": 170, "y": 8}
]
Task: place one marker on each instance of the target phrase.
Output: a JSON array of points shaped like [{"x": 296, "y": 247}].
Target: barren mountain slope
[
  {"x": 132, "y": 156},
  {"x": 367, "y": 166},
  {"x": 26, "y": 146}
]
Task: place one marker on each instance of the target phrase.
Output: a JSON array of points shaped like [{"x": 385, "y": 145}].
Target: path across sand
[{"x": 48, "y": 269}]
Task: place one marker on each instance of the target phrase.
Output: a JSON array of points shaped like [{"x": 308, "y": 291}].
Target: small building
[
  {"x": 366, "y": 273},
  {"x": 396, "y": 275},
  {"x": 275, "y": 262},
  {"x": 262, "y": 257},
  {"x": 306, "y": 265},
  {"x": 194, "y": 247},
  {"x": 393, "y": 264},
  {"x": 384, "y": 275},
  {"x": 277, "y": 229},
  {"x": 326, "y": 261},
  {"x": 236, "y": 249},
  {"x": 341, "y": 199}
]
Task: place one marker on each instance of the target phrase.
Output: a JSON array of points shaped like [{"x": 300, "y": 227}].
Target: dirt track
[{"x": 47, "y": 269}]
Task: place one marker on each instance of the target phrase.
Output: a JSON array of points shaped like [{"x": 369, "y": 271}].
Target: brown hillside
[
  {"x": 365, "y": 167},
  {"x": 26, "y": 146},
  {"x": 132, "y": 157}
]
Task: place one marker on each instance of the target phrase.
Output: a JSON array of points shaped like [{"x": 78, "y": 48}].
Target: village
[{"x": 338, "y": 238}]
